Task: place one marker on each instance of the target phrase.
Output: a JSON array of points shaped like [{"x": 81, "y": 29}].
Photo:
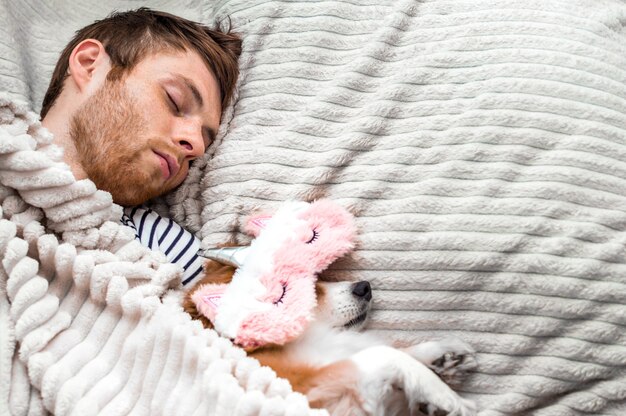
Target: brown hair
[{"x": 130, "y": 36}]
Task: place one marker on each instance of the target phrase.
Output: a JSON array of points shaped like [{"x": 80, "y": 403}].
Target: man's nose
[{"x": 191, "y": 141}]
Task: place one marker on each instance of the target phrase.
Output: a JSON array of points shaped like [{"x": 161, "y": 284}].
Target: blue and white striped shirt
[{"x": 163, "y": 234}]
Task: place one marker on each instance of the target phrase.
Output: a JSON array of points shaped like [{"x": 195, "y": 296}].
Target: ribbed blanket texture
[{"x": 481, "y": 144}]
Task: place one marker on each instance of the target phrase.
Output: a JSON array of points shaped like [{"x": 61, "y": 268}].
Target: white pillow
[{"x": 481, "y": 145}]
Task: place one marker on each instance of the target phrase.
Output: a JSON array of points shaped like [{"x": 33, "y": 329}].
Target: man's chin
[
  {"x": 130, "y": 183},
  {"x": 130, "y": 194}
]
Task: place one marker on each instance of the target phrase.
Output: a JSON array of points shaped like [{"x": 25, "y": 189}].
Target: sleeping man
[{"x": 133, "y": 100}]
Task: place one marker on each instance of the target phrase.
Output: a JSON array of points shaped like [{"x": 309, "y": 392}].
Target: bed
[{"x": 480, "y": 144}]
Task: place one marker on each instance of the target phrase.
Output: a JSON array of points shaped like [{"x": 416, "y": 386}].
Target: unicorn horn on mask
[{"x": 231, "y": 256}]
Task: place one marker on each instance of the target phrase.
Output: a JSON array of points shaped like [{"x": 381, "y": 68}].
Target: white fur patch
[{"x": 383, "y": 369}]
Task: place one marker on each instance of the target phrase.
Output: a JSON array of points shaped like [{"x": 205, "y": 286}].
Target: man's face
[{"x": 136, "y": 137}]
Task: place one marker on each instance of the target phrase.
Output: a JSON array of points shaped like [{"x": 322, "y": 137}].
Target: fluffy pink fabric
[
  {"x": 327, "y": 234},
  {"x": 324, "y": 232},
  {"x": 208, "y": 298}
]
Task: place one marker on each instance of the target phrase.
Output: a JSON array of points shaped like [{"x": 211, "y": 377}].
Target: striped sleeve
[{"x": 163, "y": 234}]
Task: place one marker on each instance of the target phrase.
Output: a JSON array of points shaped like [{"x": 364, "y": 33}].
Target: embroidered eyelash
[
  {"x": 315, "y": 235},
  {"x": 280, "y": 300}
]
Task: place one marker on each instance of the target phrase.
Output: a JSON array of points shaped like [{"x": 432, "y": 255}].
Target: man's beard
[{"x": 109, "y": 133}]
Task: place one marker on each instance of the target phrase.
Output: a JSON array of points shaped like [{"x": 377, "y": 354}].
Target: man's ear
[{"x": 89, "y": 65}]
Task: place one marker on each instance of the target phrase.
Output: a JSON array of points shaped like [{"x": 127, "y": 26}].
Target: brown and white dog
[{"x": 354, "y": 373}]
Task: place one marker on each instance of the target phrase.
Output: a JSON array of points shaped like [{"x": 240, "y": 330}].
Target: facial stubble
[{"x": 110, "y": 136}]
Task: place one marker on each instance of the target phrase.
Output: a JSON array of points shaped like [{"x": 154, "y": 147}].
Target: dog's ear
[{"x": 256, "y": 223}]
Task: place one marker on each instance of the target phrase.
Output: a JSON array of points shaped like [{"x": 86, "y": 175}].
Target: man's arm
[{"x": 163, "y": 234}]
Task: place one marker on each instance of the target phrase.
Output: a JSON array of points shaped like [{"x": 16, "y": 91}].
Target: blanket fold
[{"x": 89, "y": 322}]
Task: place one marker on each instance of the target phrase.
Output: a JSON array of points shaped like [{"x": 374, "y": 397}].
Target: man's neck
[{"x": 59, "y": 126}]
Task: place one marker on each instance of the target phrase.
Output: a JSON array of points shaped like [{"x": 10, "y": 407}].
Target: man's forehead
[{"x": 186, "y": 65}]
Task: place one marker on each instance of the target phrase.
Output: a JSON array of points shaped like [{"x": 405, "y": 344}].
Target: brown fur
[
  {"x": 334, "y": 388},
  {"x": 300, "y": 375}
]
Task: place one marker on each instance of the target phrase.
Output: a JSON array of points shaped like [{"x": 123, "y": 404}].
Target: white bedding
[{"x": 481, "y": 145}]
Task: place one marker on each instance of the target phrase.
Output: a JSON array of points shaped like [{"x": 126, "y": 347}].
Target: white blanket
[
  {"x": 480, "y": 143},
  {"x": 87, "y": 325}
]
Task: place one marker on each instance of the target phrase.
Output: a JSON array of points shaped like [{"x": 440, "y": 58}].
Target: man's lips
[{"x": 169, "y": 165}]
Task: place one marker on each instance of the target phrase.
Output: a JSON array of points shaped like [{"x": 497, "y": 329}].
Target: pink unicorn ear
[
  {"x": 257, "y": 223},
  {"x": 208, "y": 298}
]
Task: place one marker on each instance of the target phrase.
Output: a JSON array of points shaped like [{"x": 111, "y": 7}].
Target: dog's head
[{"x": 343, "y": 305}]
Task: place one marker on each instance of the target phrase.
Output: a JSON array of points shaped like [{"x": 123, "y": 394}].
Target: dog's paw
[
  {"x": 430, "y": 410},
  {"x": 451, "y": 359},
  {"x": 461, "y": 407},
  {"x": 456, "y": 361},
  {"x": 464, "y": 408}
]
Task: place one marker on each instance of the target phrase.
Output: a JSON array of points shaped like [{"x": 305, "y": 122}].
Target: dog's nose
[{"x": 362, "y": 290}]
